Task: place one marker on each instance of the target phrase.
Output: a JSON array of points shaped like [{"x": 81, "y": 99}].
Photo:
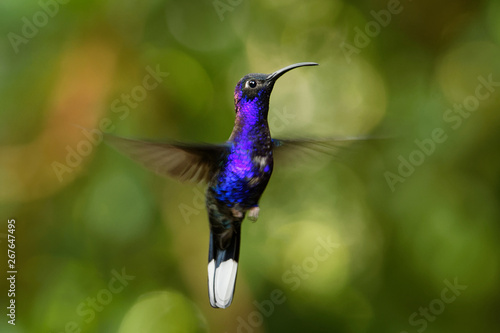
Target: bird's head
[{"x": 255, "y": 89}]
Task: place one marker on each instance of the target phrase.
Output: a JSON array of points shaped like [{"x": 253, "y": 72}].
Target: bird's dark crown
[{"x": 252, "y": 86}]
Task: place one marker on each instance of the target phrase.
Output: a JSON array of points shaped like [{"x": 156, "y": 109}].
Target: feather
[
  {"x": 295, "y": 149},
  {"x": 184, "y": 162},
  {"x": 223, "y": 267}
]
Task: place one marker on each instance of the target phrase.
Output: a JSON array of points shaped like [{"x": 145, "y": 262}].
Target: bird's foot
[
  {"x": 253, "y": 213},
  {"x": 236, "y": 212}
]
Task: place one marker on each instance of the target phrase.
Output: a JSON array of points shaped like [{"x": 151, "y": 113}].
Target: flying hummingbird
[{"x": 237, "y": 173}]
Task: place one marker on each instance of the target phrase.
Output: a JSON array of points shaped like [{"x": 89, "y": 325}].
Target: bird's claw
[
  {"x": 253, "y": 214},
  {"x": 236, "y": 212}
]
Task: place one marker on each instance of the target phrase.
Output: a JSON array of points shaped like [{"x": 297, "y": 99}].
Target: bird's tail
[{"x": 223, "y": 257}]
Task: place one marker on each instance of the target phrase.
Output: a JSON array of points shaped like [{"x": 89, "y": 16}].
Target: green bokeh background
[{"x": 397, "y": 248}]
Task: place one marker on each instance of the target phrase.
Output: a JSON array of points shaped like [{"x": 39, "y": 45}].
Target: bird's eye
[{"x": 251, "y": 84}]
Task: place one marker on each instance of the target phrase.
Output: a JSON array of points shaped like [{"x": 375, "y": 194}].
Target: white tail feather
[{"x": 221, "y": 282}]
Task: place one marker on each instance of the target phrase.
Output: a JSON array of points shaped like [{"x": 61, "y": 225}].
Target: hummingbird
[{"x": 236, "y": 173}]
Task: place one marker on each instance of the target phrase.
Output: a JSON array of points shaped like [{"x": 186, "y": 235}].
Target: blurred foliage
[{"x": 66, "y": 66}]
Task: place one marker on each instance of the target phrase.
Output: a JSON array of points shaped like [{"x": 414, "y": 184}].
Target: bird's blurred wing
[
  {"x": 297, "y": 149},
  {"x": 185, "y": 162}
]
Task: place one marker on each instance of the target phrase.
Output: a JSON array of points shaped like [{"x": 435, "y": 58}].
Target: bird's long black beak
[{"x": 271, "y": 78}]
